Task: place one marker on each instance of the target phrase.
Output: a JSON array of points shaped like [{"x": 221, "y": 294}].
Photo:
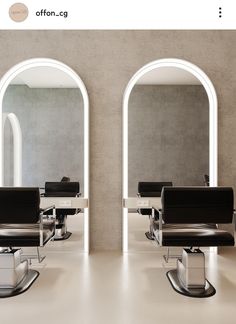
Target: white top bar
[{"x": 123, "y": 14}]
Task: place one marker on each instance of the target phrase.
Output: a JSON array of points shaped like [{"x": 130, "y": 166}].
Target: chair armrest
[
  {"x": 160, "y": 223},
  {"x": 41, "y": 216},
  {"x": 42, "y": 194},
  {"x": 159, "y": 210},
  {"x": 46, "y": 209},
  {"x": 139, "y": 209},
  {"x": 78, "y": 195}
]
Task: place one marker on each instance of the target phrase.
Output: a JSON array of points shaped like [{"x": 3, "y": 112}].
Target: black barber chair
[
  {"x": 21, "y": 225},
  {"x": 62, "y": 189},
  {"x": 150, "y": 189},
  {"x": 184, "y": 221}
]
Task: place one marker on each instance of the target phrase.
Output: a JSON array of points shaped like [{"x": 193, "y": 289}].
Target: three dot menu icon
[{"x": 220, "y": 12}]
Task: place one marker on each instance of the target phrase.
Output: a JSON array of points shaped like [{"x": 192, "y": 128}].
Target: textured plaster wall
[
  {"x": 168, "y": 135},
  {"x": 106, "y": 60},
  {"x": 52, "y": 134}
]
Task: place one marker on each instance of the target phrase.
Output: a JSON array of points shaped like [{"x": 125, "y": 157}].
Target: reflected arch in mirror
[
  {"x": 17, "y": 146},
  {"x": 33, "y": 64},
  {"x": 213, "y": 141}
]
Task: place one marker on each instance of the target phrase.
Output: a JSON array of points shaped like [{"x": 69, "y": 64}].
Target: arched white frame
[
  {"x": 46, "y": 62},
  {"x": 213, "y": 124},
  {"x": 17, "y": 147}
]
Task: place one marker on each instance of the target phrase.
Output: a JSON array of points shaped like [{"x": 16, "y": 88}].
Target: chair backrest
[
  {"x": 19, "y": 205},
  {"x": 152, "y": 189},
  {"x": 61, "y": 189},
  {"x": 197, "y": 205}
]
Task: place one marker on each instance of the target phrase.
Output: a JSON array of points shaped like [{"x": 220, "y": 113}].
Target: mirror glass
[
  {"x": 168, "y": 138},
  {"x": 49, "y": 108}
]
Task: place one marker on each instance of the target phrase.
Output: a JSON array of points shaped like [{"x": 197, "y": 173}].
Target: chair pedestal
[
  {"x": 61, "y": 232},
  {"x": 189, "y": 277},
  {"x": 15, "y": 277}
]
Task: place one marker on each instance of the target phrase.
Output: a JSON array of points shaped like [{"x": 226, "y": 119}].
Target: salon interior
[{"x": 176, "y": 262}]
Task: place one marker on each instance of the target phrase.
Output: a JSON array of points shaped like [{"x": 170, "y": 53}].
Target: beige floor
[
  {"x": 138, "y": 225},
  {"x": 110, "y": 288}
]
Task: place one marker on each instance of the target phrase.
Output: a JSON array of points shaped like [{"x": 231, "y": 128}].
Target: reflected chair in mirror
[
  {"x": 21, "y": 225},
  {"x": 206, "y": 180},
  {"x": 65, "y": 179},
  {"x": 184, "y": 222},
  {"x": 63, "y": 189},
  {"x": 150, "y": 189}
]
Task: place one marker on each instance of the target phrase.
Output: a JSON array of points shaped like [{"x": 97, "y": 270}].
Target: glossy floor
[
  {"x": 110, "y": 288},
  {"x": 137, "y": 226}
]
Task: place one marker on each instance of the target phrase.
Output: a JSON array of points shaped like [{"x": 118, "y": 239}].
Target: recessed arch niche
[
  {"x": 45, "y": 63},
  {"x": 213, "y": 132}
]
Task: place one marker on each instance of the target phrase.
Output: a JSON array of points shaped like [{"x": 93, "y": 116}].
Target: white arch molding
[
  {"x": 213, "y": 124},
  {"x": 46, "y": 62}
]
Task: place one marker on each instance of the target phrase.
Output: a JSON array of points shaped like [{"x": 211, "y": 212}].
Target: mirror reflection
[
  {"x": 168, "y": 140},
  {"x": 49, "y": 109}
]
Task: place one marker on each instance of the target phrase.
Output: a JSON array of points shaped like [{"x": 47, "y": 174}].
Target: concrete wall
[
  {"x": 168, "y": 135},
  {"x": 106, "y": 60},
  {"x": 52, "y": 134}
]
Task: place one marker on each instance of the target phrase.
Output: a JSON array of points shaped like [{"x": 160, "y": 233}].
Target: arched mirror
[
  {"x": 169, "y": 136},
  {"x": 45, "y": 139}
]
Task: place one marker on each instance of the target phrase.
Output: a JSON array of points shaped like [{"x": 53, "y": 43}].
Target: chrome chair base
[
  {"x": 61, "y": 232},
  {"x": 24, "y": 285},
  {"x": 207, "y": 291}
]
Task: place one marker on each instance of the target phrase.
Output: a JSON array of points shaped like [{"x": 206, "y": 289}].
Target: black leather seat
[
  {"x": 190, "y": 218},
  {"x": 64, "y": 188},
  {"x": 196, "y": 237},
  {"x": 21, "y": 224},
  {"x": 150, "y": 189}
]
